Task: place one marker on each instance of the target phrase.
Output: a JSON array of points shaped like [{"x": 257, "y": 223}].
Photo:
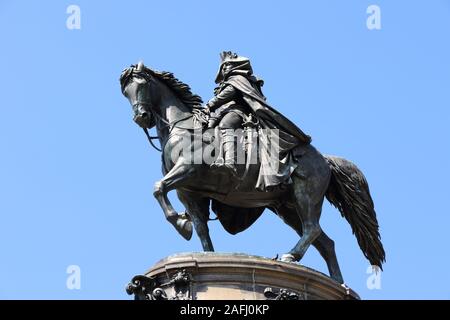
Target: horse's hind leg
[
  {"x": 308, "y": 198},
  {"x": 198, "y": 209},
  {"x": 323, "y": 243},
  {"x": 325, "y": 246}
]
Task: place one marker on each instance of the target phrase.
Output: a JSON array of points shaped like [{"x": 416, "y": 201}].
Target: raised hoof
[
  {"x": 184, "y": 227},
  {"x": 287, "y": 257}
]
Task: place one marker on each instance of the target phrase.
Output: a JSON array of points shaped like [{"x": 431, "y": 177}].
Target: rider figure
[
  {"x": 228, "y": 105},
  {"x": 237, "y": 95}
]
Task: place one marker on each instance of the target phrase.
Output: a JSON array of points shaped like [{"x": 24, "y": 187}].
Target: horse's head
[
  {"x": 150, "y": 92},
  {"x": 135, "y": 84}
]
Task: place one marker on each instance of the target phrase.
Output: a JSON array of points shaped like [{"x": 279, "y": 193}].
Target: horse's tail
[{"x": 349, "y": 192}]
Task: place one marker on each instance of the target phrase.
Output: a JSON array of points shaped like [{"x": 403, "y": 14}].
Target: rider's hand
[{"x": 207, "y": 109}]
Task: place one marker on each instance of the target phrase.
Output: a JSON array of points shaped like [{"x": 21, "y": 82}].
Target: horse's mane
[{"x": 181, "y": 89}]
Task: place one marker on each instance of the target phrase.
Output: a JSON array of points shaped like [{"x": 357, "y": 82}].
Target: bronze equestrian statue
[{"x": 293, "y": 185}]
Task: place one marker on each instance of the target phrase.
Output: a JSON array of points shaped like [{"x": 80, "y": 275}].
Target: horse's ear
[{"x": 140, "y": 66}]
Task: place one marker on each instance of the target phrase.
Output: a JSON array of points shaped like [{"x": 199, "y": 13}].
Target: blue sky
[{"x": 76, "y": 174}]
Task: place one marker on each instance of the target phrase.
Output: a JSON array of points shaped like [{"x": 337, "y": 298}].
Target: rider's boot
[{"x": 228, "y": 151}]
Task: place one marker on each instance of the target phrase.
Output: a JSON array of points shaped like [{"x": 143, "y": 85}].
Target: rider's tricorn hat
[{"x": 238, "y": 65}]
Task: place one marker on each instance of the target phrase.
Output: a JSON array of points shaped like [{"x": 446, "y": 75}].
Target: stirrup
[{"x": 219, "y": 162}]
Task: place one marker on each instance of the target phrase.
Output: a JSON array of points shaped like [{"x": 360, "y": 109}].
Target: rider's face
[{"x": 226, "y": 67}]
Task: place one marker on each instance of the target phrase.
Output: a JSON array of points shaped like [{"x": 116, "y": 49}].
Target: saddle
[{"x": 258, "y": 152}]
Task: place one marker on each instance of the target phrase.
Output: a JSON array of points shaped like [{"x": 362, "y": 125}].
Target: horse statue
[{"x": 160, "y": 100}]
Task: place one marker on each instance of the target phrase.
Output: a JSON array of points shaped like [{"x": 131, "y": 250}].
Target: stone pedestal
[{"x": 219, "y": 276}]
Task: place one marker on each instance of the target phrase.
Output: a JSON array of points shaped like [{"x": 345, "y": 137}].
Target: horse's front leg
[
  {"x": 198, "y": 209},
  {"x": 172, "y": 180}
]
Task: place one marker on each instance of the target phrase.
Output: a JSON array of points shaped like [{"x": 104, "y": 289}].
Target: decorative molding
[
  {"x": 141, "y": 286},
  {"x": 148, "y": 288},
  {"x": 182, "y": 285},
  {"x": 282, "y": 294}
]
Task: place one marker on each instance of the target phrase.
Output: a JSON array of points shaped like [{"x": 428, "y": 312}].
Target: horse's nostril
[{"x": 144, "y": 115}]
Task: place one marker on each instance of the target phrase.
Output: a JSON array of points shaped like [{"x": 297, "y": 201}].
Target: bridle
[
  {"x": 166, "y": 124},
  {"x": 151, "y": 138}
]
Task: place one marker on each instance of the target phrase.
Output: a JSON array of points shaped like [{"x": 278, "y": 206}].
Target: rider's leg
[{"x": 229, "y": 123}]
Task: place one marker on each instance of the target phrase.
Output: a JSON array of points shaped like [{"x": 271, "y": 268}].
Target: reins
[
  {"x": 168, "y": 124},
  {"x": 150, "y": 139}
]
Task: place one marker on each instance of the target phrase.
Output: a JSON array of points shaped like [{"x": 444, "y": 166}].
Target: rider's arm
[{"x": 226, "y": 95}]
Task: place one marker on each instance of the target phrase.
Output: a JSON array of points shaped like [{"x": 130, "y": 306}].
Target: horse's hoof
[
  {"x": 287, "y": 257},
  {"x": 184, "y": 227}
]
